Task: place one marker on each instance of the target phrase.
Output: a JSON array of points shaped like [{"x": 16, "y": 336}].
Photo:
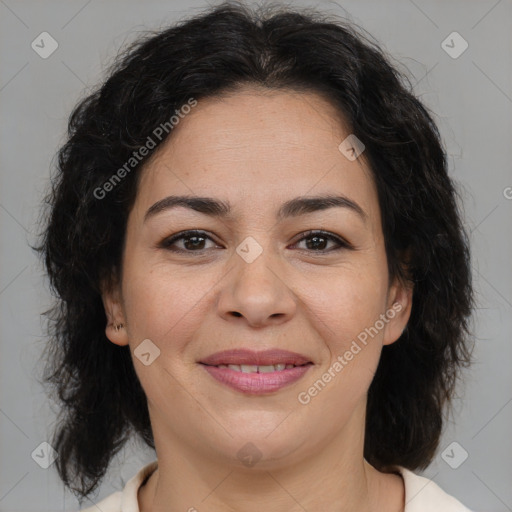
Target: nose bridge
[
  {"x": 255, "y": 289},
  {"x": 256, "y": 266}
]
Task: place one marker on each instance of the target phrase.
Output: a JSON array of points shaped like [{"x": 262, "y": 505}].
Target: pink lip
[
  {"x": 257, "y": 383},
  {"x": 262, "y": 358}
]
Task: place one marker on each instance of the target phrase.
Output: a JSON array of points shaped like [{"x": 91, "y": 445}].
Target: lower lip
[{"x": 257, "y": 383}]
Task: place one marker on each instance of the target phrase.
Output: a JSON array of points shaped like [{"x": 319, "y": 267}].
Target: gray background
[{"x": 472, "y": 98}]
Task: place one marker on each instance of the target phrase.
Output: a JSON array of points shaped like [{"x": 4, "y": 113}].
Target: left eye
[
  {"x": 193, "y": 241},
  {"x": 319, "y": 239}
]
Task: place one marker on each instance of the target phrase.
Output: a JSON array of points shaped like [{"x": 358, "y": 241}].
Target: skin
[{"x": 257, "y": 149}]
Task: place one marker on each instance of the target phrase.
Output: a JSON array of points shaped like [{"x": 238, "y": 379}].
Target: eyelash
[{"x": 167, "y": 242}]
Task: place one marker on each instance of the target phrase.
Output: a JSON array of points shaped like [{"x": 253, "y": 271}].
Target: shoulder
[
  {"x": 424, "y": 495},
  {"x": 111, "y": 503},
  {"x": 125, "y": 500}
]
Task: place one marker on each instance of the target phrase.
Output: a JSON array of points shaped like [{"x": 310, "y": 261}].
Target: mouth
[
  {"x": 256, "y": 372},
  {"x": 257, "y": 379},
  {"x": 250, "y": 368},
  {"x": 249, "y": 361}
]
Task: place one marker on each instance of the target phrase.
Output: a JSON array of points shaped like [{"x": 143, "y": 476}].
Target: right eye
[{"x": 193, "y": 241}]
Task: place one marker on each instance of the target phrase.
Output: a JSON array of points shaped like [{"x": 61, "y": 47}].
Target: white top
[{"x": 421, "y": 494}]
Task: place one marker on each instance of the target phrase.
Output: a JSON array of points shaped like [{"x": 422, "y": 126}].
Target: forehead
[{"x": 257, "y": 147}]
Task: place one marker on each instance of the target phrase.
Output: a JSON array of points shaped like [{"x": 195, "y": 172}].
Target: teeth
[
  {"x": 247, "y": 368},
  {"x": 266, "y": 369},
  {"x": 250, "y": 368}
]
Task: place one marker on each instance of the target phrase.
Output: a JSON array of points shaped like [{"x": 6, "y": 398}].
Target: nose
[{"x": 256, "y": 292}]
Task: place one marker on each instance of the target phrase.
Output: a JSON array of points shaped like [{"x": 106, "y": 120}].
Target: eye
[
  {"x": 194, "y": 241},
  {"x": 319, "y": 240}
]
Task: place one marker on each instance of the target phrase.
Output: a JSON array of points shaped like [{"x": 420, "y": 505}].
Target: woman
[{"x": 261, "y": 272}]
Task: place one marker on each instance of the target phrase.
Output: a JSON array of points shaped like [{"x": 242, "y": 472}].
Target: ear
[
  {"x": 115, "y": 329},
  {"x": 398, "y": 310}
]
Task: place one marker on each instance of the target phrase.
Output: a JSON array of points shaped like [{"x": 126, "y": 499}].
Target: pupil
[
  {"x": 315, "y": 242},
  {"x": 196, "y": 238}
]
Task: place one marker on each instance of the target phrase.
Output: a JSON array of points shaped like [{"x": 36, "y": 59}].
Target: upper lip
[{"x": 261, "y": 358}]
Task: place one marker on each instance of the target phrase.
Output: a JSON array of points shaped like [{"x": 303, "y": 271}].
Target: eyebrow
[{"x": 292, "y": 208}]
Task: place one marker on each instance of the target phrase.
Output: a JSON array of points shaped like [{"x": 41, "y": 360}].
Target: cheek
[
  {"x": 345, "y": 304},
  {"x": 344, "y": 312},
  {"x": 165, "y": 309},
  {"x": 345, "y": 309},
  {"x": 165, "y": 304}
]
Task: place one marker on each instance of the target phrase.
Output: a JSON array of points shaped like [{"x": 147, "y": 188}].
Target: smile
[
  {"x": 257, "y": 379},
  {"x": 248, "y": 368}
]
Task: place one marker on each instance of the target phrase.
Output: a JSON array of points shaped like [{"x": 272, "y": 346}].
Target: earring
[{"x": 117, "y": 327}]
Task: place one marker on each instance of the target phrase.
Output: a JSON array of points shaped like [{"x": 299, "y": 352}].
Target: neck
[{"x": 335, "y": 478}]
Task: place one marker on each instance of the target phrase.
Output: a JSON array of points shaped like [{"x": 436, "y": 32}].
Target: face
[{"x": 252, "y": 279}]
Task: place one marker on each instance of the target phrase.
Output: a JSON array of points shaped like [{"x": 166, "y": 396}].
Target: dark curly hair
[{"x": 101, "y": 400}]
